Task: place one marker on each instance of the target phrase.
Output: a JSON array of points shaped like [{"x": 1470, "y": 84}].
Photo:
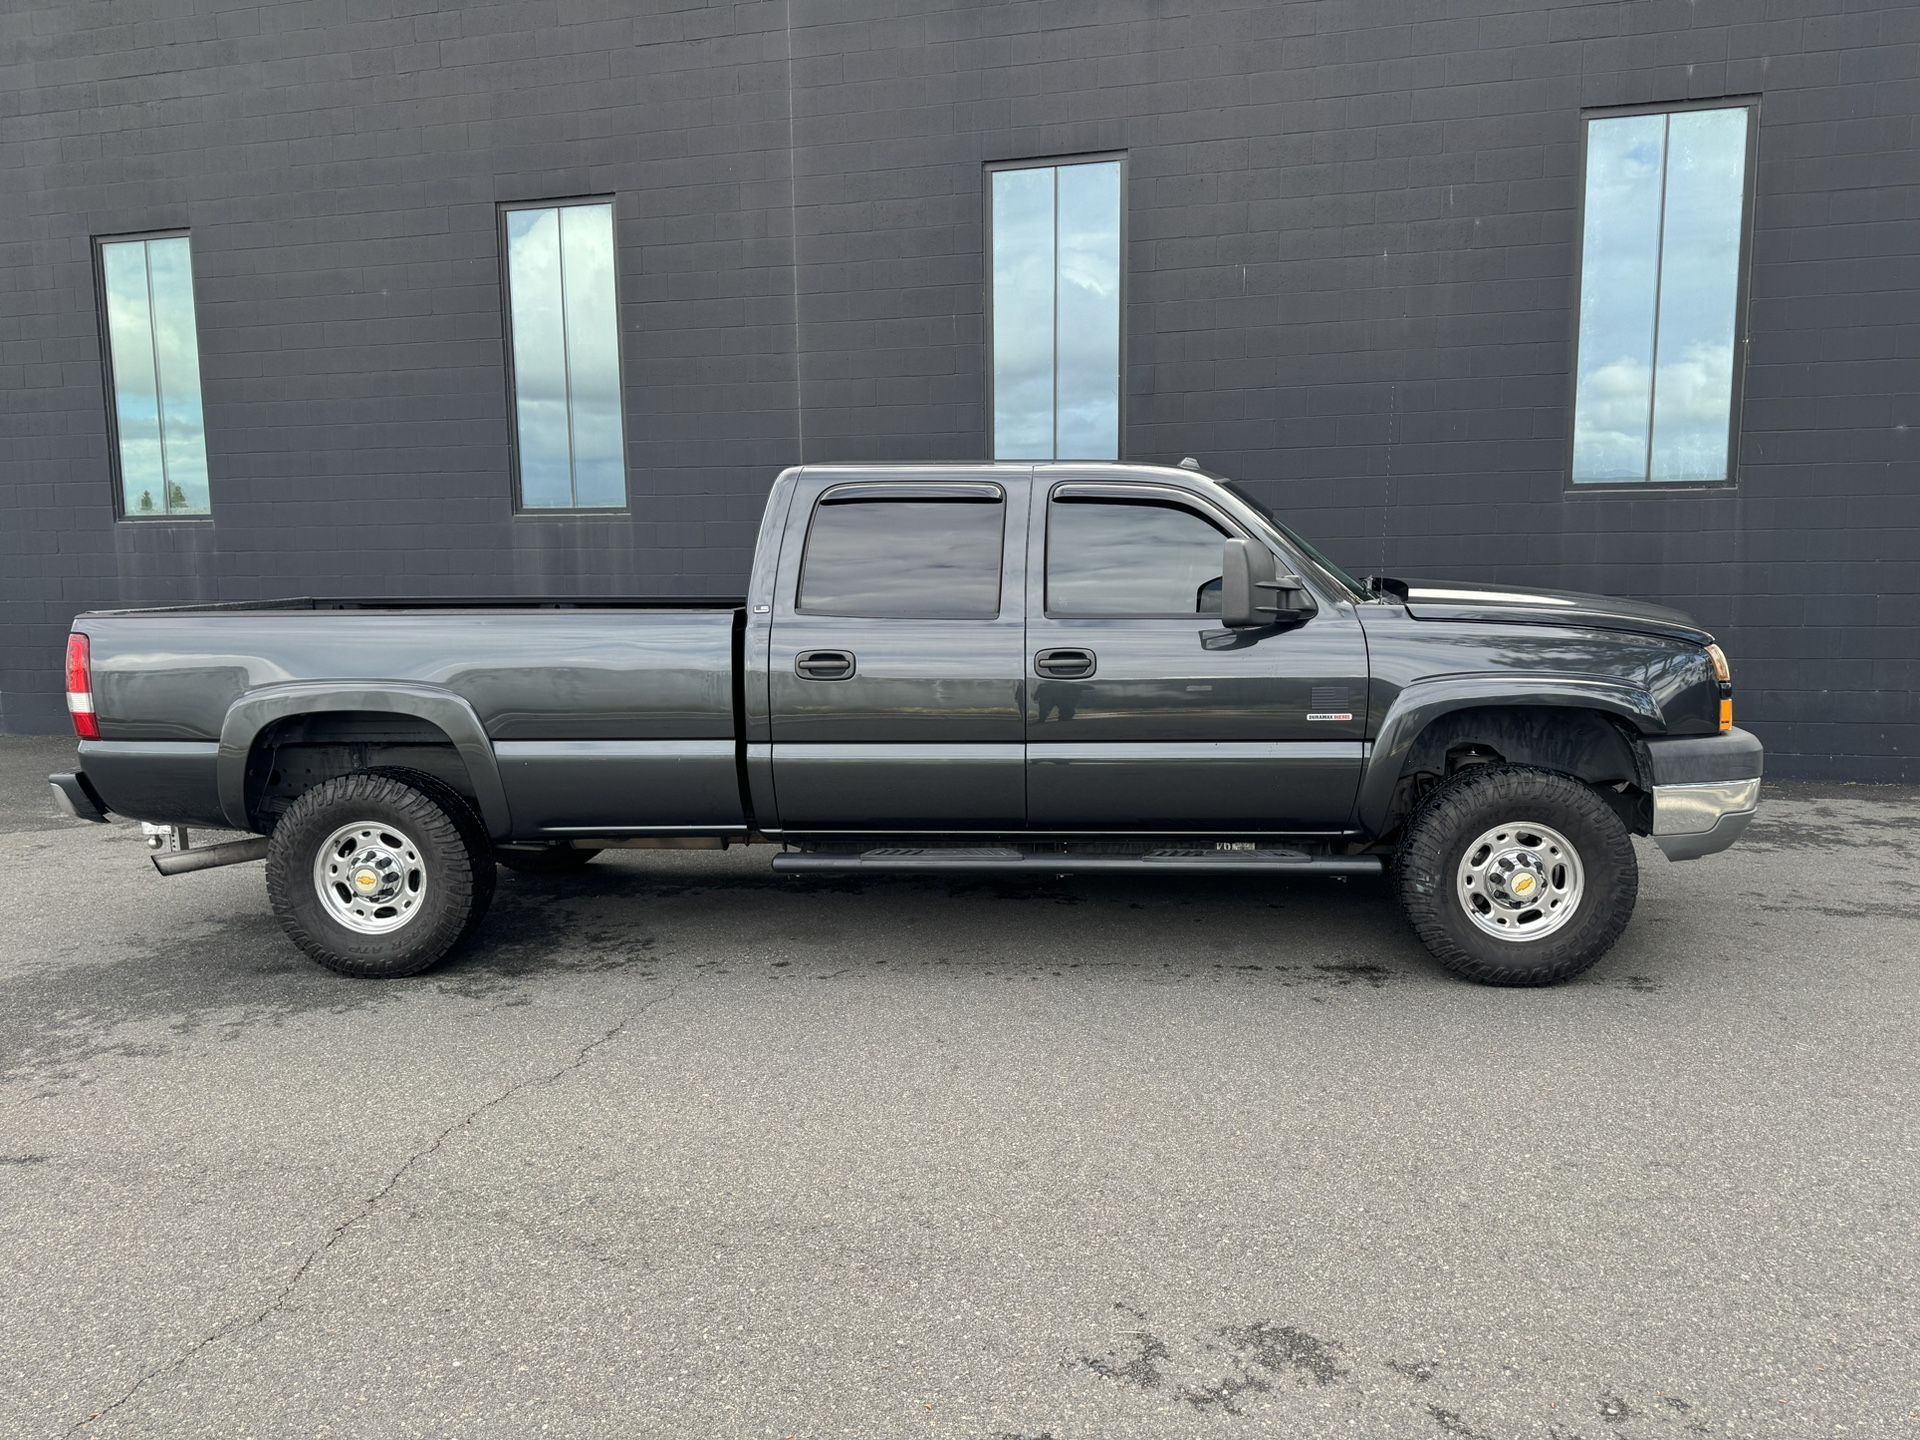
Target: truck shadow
[
  {"x": 197, "y": 972},
  {"x": 728, "y": 914}
]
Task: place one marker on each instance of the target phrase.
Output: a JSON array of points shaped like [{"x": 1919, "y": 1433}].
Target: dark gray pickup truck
[{"x": 1041, "y": 668}]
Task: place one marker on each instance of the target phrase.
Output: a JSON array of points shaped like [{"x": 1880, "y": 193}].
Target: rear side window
[
  {"x": 898, "y": 559},
  {"x": 1131, "y": 557}
]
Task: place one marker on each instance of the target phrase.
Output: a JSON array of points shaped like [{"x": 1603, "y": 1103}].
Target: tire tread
[
  {"x": 1422, "y": 872},
  {"x": 438, "y": 825}
]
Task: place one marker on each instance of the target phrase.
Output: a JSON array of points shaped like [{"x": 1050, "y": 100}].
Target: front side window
[
  {"x": 1660, "y": 296},
  {"x": 904, "y": 559},
  {"x": 1056, "y": 311},
  {"x": 1131, "y": 557},
  {"x": 569, "y": 433},
  {"x": 153, "y": 361}
]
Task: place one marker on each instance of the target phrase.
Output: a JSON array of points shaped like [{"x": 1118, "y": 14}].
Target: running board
[{"x": 1205, "y": 861}]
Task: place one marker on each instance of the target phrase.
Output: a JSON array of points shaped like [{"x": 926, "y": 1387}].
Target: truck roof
[{"x": 1138, "y": 470}]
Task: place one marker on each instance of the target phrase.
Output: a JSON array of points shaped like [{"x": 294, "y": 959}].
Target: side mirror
[{"x": 1253, "y": 592}]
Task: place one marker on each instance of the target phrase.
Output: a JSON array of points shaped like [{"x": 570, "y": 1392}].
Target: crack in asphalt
[{"x": 371, "y": 1204}]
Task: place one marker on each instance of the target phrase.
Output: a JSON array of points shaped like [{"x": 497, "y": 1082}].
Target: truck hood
[{"x": 1468, "y": 600}]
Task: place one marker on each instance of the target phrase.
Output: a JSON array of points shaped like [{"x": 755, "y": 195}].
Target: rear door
[
  {"x": 896, "y": 687},
  {"x": 1143, "y": 714}
]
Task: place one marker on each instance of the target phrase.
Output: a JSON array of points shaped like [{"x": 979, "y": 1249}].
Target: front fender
[
  {"x": 1421, "y": 703},
  {"x": 449, "y": 713}
]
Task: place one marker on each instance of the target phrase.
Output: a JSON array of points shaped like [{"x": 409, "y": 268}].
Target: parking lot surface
[{"x": 682, "y": 1148}]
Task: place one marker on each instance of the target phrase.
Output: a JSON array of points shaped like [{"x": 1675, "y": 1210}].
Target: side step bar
[{"x": 996, "y": 858}]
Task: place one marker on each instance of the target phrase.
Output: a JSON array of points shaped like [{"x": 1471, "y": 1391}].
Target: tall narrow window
[
  {"x": 1056, "y": 310},
  {"x": 1661, "y": 281},
  {"x": 569, "y": 433},
  {"x": 153, "y": 365}
]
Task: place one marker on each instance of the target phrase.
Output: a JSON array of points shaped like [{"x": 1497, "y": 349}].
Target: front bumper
[
  {"x": 1705, "y": 792},
  {"x": 75, "y": 797}
]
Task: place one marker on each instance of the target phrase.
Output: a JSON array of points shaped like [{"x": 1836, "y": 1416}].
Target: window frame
[
  {"x": 960, "y": 492},
  {"x": 1121, "y": 493},
  {"x": 987, "y": 172},
  {"x": 520, "y": 507},
  {"x": 110, "y": 393},
  {"x": 1743, "y": 293}
]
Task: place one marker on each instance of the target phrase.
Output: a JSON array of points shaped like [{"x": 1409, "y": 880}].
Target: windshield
[{"x": 1329, "y": 571}]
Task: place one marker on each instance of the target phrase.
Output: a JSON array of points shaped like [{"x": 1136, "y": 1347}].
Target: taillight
[{"x": 80, "y": 688}]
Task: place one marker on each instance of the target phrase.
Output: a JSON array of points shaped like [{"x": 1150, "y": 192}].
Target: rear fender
[{"x": 444, "y": 710}]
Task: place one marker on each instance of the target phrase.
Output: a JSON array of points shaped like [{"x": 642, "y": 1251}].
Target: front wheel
[
  {"x": 1516, "y": 876},
  {"x": 373, "y": 875}
]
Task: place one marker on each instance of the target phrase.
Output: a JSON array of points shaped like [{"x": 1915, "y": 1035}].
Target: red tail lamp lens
[{"x": 80, "y": 688}]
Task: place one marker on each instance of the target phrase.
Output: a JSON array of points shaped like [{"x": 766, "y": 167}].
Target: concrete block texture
[{"x": 1351, "y": 279}]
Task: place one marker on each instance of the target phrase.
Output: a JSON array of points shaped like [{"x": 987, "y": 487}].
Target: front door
[
  {"x": 895, "y": 673},
  {"x": 1143, "y": 714}
]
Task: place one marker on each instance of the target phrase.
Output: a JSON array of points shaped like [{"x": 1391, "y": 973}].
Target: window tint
[
  {"x": 1659, "y": 296},
  {"x": 568, "y": 427},
  {"x": 1056, "y": 311},
  {"x": 1124, "y": 557},
  {"x": 904, "y": 559},
  {"x": 153, "y": 354}
]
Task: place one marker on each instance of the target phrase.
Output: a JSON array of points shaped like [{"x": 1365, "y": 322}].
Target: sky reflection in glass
[
  {"x": 569, "y": 425},
  {"x": 154, "y": 355},
  {"x": 1056, "y": 312},
  {"x": 1659, "y": 292}
]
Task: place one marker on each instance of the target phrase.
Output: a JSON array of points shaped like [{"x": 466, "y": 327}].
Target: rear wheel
[
  {"x": 553, "y": 860},
  {"x": 472, "y": 831},
  {"x": 1516, "y": 876},
  {"x": 376, "y": 875}
]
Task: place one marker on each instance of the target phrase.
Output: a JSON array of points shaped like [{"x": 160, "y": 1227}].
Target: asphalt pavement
[{"x": 680, "y": 1148}]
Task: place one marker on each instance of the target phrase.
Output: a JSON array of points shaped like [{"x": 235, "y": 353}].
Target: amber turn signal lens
[
  {"x": 1726, "y": 716},
  {"x": 1719, "y": 659}
]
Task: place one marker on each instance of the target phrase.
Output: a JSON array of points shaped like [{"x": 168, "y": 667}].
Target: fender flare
[
  {"x": 1424, "y": 701},
  {"x": 446, "y": 711}
]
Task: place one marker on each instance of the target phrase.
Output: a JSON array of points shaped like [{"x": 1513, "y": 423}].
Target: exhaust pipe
[{"x": 211, "y": 857}]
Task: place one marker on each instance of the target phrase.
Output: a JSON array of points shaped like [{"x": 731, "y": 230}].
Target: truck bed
[
  {"x": 597, "y": 714},
  {"x": 297, "y": 604}
]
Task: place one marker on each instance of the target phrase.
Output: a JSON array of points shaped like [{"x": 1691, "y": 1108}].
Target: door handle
[
  {"x": 1066, "y": 664},
  {"x": 824, "y": 665}
]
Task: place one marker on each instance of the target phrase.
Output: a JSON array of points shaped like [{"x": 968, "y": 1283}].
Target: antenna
[{"x": 1189, "y": 463}]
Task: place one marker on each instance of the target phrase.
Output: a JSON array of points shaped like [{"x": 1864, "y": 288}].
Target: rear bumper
[
  {"x": 75, "y": 797},
  {"x": 1705, "y": 792}
]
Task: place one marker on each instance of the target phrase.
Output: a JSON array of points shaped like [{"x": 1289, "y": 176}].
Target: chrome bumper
[{"x": 1694, "y": 820}]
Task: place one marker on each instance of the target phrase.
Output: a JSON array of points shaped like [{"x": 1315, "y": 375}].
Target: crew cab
[{"x": 1044, "y": 668}]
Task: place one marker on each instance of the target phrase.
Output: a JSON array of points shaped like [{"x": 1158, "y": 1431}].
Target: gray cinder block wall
[{"x": 1350, "y": 277}]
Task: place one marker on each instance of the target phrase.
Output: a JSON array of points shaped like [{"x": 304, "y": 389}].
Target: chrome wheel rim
[
  {"x": 1521, "y": 881},
  {"x": 370, "y": 877}
]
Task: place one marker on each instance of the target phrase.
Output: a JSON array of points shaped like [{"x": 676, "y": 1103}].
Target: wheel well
[
  {"x": 1589, "y": 745},
  {"x": 294, "y": 754}
]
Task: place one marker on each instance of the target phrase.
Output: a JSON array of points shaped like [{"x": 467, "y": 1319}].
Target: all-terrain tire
[
  {"x": 1487, "y": 798},
  {"x": 472, "y": 829},
  {"x": 554, "y": 860},
  {"x": 402, "y": 925}
]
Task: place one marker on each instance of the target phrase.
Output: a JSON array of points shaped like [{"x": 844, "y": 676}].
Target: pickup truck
[{"x": 1044, "y": 668}]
